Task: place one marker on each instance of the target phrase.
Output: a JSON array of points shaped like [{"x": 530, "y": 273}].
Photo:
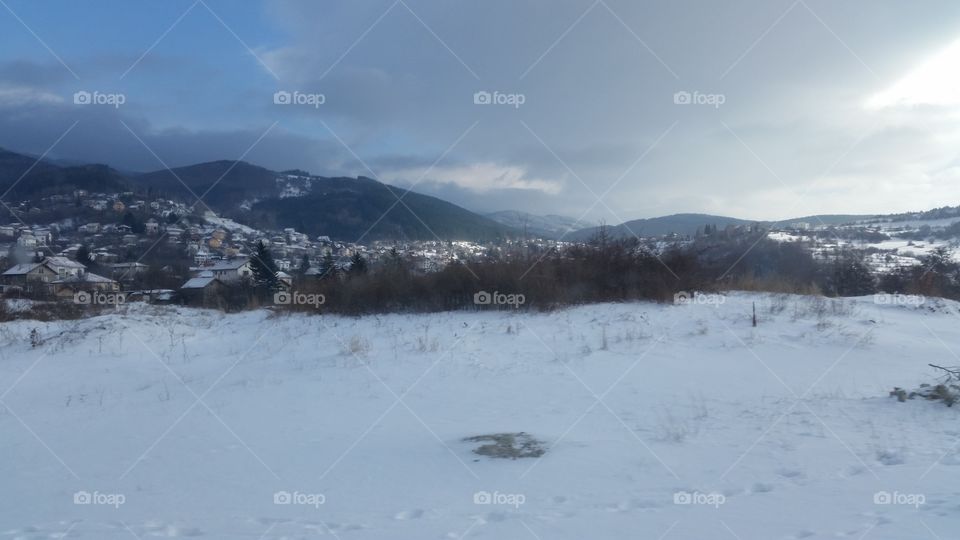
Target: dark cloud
[{"x": 792, "y": 134}]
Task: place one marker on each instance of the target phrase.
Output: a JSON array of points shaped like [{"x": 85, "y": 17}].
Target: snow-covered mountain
[{"x": 548, "y": 226}]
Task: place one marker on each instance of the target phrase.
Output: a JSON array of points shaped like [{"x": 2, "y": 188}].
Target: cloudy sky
[{"x": 606, "y": 109}]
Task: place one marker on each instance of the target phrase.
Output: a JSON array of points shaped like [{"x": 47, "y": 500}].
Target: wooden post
[{"x": 754, "y": 314}]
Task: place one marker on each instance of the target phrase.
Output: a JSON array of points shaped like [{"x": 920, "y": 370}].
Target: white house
[
  {"x": 27, "y": 241},
  {"x": 227, "y": 270}
]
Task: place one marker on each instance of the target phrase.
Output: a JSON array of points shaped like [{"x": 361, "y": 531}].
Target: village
[{"x": 160, "y": 250}]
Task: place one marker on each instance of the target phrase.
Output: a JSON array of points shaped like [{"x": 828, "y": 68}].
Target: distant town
[
  {"x": 69, "y": 246},
  {"x": 159, "y": 249}
]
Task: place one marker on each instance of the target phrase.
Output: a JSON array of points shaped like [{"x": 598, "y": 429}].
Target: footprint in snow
[
  {"x": 761, "y": 487},
  {"x": 408, "y": 514},
  {"x": 891, "y": 457},
  {"x": 794, "y": 474}
]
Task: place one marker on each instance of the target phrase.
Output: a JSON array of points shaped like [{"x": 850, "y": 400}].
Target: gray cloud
[{"x": 791, "y": 137}]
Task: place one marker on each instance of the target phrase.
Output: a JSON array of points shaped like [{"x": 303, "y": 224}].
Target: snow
[
  {"x": 227, "y": 224},
  {"x": 183, "y": 422},
  {"x": 294, "y": 186}
]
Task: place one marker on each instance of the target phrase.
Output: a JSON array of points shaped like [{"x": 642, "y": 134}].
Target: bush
[{"x": 946, "y": 390}]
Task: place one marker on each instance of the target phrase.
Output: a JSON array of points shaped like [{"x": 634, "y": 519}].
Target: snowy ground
[{"x": 194, "y": 421}]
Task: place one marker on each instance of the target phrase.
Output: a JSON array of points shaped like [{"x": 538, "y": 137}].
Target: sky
[{"x": 595, "y": 109}]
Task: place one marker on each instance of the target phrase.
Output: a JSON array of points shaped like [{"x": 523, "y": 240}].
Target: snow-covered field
[{"x": 661, "y": 422}]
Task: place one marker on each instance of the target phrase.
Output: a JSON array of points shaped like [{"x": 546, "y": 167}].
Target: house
[
  {"x": 228, "y": 270},
  {"x": 128, "y": 270},
  {"x": 36, "y": 276},
  {"x": 152, "y": 227},
  {"x": 204, "y": 290},
  {"x": 152, "y": 296},
  {"x": 285, "y": 279},
  {"x": 27, "y": 240},
  {"x": 65, "y": 267},
  {"x": 43, "y": 235},
  {"x": 31, "y": 277},
  {"x": 87, "y": 282},
  {"x": 90, "y": 228},
  {"x": 8, "y": 231},
  {"x": 102, "y": 256}
]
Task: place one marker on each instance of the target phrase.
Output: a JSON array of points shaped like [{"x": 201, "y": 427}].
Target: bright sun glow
[{"x": 935, "y": 82}]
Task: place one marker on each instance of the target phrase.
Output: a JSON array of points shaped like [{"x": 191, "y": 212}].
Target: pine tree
[
  {"x": 304, "y": 264},
  {"x": 358, "y": 265},
  {"x": 83, "y": 255},
  {"x": 328, "y": 267},
  {"x": 264, "y": 268}
]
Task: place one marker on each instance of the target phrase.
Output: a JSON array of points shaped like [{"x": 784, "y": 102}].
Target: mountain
[
  {"x": 23, "y": 177},
  {"x": 548, "y": 226},
  {"x": 684, "y": 224},
  {"x": 351, "y": 208},
  {"x": 222, "y": 185},
  {"x": 341, "y": 208},
  {"x": 829, "y": 219}
]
